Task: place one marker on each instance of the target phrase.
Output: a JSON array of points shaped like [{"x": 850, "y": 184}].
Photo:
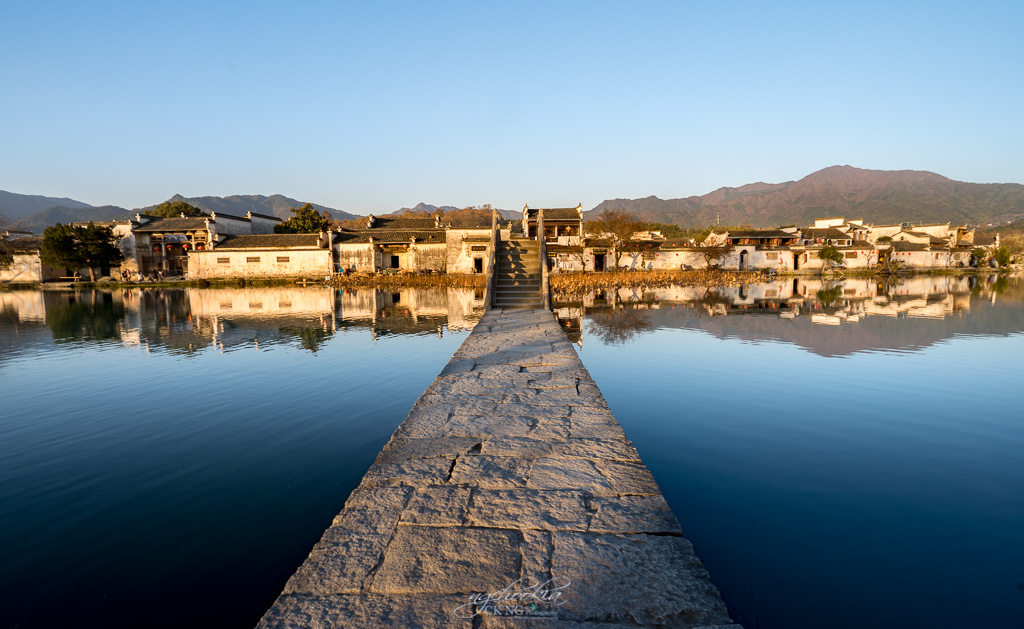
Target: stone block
[
  {"x": 438, "y": 506},
  {"x": 633, "y": 514},
  {"x": 641, "y": 579},
  {"x": 573, "y": 474},
  {"x": 425, "y": 560},
  {"x": 551, "y": 510},
  {"x": 448, "y": 447},
  {"x": 369, "y": 511},
  {"x": 487, "y": 426},
  {"x": 303, "y": 611},
  {"x": 415, "y": 472},
  {"x": 425, "y": 419},
  {"x": 523, "y": 447},
  {"x": 490, "y": 472},
  {"x": 340, "y": 569},
  {"x": 619, "y": 449},
  {"x": 629, "y": 477}
]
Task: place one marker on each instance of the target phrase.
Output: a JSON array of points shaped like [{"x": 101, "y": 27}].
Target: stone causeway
[{"x": 509, "y": 497}]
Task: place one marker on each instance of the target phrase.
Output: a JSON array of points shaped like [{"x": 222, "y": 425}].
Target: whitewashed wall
[{"x": 264, "y": 263}]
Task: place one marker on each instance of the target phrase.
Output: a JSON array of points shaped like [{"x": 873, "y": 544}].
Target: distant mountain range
[
  {"x": 39, "y": 221},
  {"x": 18, "y": 206},
  {"x": 431, "y": 209},
  {"x": 878, "y": 196},
  {"x": 238, "y": 204}
]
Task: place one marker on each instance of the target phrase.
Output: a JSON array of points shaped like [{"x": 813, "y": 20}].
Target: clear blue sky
[{"x": 371, "y": 106}]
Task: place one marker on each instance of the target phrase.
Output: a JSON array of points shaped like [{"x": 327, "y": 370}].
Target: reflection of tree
[
  {"x": 620, "y": 325},
  {"x": 830, "y": 295},
  {"x": 712, "y": 303},
  {"x": 94, "y": 319},
  {"x": 309, "y": 338}
]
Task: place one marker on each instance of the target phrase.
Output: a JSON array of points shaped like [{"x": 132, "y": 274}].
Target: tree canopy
[
  {"x": 306, "y": 221},
  {"x": 5, "y": 255},
  {"x": 77, "y": 246},
  {"x": 619, "y": 227},
  {"x": 172, "y": 209}
]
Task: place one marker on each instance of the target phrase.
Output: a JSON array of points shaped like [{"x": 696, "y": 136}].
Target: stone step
[
  {"x": 518, "y": 304},
  {"x": 517, "y": 271},
  {"x": 531, "y": 293},
  {"x": 518, "y": 280}
]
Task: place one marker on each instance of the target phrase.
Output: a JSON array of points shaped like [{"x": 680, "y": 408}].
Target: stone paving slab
[{"x": 509, "y": 497}]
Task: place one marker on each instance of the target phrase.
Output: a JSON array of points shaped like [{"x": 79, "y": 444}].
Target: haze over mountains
[{"x": 877, "y": 196}]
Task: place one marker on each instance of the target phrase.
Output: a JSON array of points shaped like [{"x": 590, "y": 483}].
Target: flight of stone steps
[{"x": 518, "y": 275}]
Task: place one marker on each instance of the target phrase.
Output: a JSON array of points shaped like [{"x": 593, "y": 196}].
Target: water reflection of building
[
  {"x": 411, "y": 310},
  {"x": 792, "y": 309},
  {"x": 187, "y": 320}
]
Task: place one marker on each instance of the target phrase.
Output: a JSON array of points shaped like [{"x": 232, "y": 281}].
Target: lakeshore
[{"x": 562, "y": 282}]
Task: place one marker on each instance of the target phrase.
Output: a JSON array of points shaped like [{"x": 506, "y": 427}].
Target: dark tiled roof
[
  {"x": 761, "y": 233},
  {"x": 176, "y": 224},
  {"x": 25, "y": 244},
  {"x": 275, "y": 218},
  {"x": 828, "y": 232},
  {"x": 347, "y": 237},
  {"x": 270, "y": 241},
  {"x": 556, "y": 214},
  {"x": 676, "y": 243},
  {"x": 387, "y": 222},
  {"x": 553, "y": 248},
  {"x": 477, "y": 239},
  {"x": 231, "y": 216},
  {"x": 901, "y": 245},
  {"x": 862, "y": 244},
  {"x": 984, "y": 241}
]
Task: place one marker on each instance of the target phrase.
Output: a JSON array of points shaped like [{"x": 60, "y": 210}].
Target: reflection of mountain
[
  {"x": 904, "y": 316},
  {"x": 188, "y": 320}
]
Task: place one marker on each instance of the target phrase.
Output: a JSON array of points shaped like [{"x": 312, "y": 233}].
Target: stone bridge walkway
[{"x": 509, "y": 489}]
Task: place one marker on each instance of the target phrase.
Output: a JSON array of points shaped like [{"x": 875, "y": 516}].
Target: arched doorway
[{"x": 743, "y": 260}]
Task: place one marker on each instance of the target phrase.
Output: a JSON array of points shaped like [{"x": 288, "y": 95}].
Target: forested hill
[
  {"x": 238, "y": 204},
  {"x": 16, "y": 206},
  {"x": 39, "y": 221},
  {"x": 877, "y": 196}
]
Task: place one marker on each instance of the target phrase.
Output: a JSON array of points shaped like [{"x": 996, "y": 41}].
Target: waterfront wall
[{"x": 223, "y": 264}]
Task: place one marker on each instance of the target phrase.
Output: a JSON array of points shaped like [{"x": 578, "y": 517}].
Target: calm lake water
[{"x": 841, "y": 455}]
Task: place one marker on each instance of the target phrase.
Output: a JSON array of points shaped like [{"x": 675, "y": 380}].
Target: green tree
[
  {"x": 832, "y": 257},
  {"x": 306, "y": 221},
  {"x": 173, "y": 209},
  {"x": 76, "y": 246},
  {"x": 1002, "y": 257},
  {"x": 979, "y": 256},
  {"x": 6, "y": 259}
]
